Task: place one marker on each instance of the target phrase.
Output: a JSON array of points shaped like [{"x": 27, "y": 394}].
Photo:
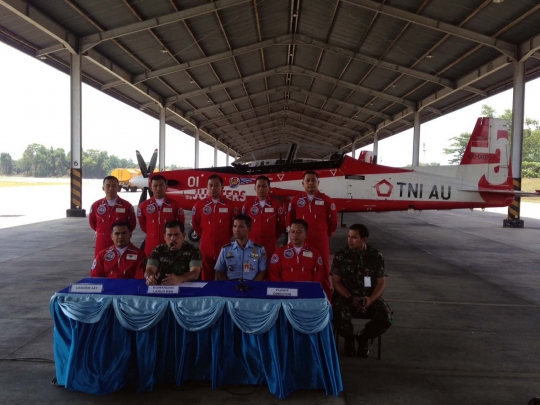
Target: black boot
[
  {"x": 363, "y": 345},
  {"x": 349, "y": 346}
]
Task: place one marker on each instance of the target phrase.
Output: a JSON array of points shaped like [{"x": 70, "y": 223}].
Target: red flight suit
[
  {"x": 152, "y": 220},
  {"x": 129, "y": 265},
  {"x": 213, "y": 222},
  {"x": 287, "y": 265},
  {"x": 102, "y": 217},
  {"x": 321, "y": 216},
  {"x": 268, "y": 223}
]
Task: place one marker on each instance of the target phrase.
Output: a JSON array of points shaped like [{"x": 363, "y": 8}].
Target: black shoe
[
  {"x": 349, "y": 346},
  {"x": 363, "y": 346}
]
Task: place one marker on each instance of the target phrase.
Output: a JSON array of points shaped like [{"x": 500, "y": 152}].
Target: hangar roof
[{"x": 256, "y": 74}]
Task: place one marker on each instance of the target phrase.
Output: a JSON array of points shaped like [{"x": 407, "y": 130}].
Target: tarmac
[{"x": 464, "y": 290}]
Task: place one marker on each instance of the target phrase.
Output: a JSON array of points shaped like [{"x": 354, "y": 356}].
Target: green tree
[
  {"x": 6, "y": 164},
  {"x": 457, "y": 147},
  {"x": 487, "y": 111}
]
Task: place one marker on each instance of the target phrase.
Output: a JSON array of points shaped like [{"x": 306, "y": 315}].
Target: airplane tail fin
[{"x": 487, "y": 156}]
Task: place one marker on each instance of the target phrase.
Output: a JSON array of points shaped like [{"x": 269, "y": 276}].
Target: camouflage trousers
[{"x": 379, "y": 313}]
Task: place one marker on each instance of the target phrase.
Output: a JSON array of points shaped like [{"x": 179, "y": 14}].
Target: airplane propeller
[{"x": 145, "y": 172}]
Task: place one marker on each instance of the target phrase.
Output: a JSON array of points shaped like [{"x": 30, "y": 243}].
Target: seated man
[
  {"x": 241, "y": 258},
  {"x": 122, "y": 259},
  {"x": 175, "y": 261},
  {"x": 359, "y": 279},
  {"x": 297, "y": 261}
]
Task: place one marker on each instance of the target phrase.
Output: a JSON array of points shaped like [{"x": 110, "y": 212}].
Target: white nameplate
[
  {"x": 163, "y": 289},
  {"x": 285, "y": 292},
  {"x": 87, "y": 288}
]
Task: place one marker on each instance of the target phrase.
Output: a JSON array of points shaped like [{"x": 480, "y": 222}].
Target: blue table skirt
[{"x": 103, "y": 343}]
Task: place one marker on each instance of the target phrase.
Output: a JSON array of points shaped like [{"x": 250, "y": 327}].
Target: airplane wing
[{"x": 511, "y": 192}]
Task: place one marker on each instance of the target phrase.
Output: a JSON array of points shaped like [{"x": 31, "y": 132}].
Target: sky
[{"x": 34, "y": 108}]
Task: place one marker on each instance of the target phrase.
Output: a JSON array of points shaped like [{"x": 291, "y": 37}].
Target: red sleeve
[
  {"x": 196, "y": 219},
  {"x": 141, "y": 265},
  {"x": 97, "y": 266},
  {"x": 244, "y": 207},
  {"x": 291, "y": 212},
  {"x": 332, "y": 216},
  {"x": 280, "y": 222},
  {"x": 141, "y": 216},
  {"x": 92, "y": 218},
  {"x": 132, "y": 221},
  {"x": 275, "y": 267},
  {"x": 180, "y": 214}
]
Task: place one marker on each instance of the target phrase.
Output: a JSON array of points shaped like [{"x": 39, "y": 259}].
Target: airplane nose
[{"x": 139, "y": 181}]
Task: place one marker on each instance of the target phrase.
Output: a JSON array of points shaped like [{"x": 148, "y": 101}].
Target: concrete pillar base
[
  {"x": 76, "y": 213},
  {"x": 513, "y": 223}
]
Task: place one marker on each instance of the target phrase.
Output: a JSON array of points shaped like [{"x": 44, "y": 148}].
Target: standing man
[
  {"x": 319, "y": 211},
  {"x": 268, "y": 219},
  {"x": 175, "y": 261},
  {"x": 212, "y": 219},
  {"x": 108, "y": 210},
  {"x": 241, "y": 258},
  {"x": 123, "y": 259},
  {"x": 359, "y": 279},
  {"x": 297, "y": 261},
  {"x": 154, "y": 213}
]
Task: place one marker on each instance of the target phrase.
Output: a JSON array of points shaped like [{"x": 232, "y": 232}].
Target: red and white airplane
[{"x": 482, "y": 179}]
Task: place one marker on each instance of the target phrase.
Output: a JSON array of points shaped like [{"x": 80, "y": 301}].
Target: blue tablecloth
[{"x": 125, "y": 337}]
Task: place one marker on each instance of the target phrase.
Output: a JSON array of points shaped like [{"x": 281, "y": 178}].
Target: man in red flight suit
[
  {"x": 297, "y": 261},
  {"x": 319, "y": 211},
  {"x": 268, "y": 219},
  {"x": 123, "y": 259},
  {"x": 108, "y": 210},
  {"x": 154, "y": 213},
  {"x": 212, "y": 219}
]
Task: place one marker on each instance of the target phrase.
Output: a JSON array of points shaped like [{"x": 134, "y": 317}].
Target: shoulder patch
[
  {"x": 94, "y": 264},
  {"x": 333, "y": 207},
  {"x": 193, "y": 210},
  {"x": 280, "y": 210},
  {"x": 319, "y": 261},
  {"x": 274, "y": 259},
  {"x": 139, "y": 212},
  {"x": 235, "y": 210}
]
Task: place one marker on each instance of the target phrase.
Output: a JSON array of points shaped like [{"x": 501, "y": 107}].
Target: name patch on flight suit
[
  {"x": 269, "y": 209},
  {"x": 131, "y": 257},
  {"x": 319, "y": 202},
  {"x": 167, "y": 209},
  {"x": 307, "y": 253},
  {"x": 102, "y": 209},
  {"x": 367, "y": 281},
  {"x": 223, "y": 210},
  {"x": 121, "y": 210}
]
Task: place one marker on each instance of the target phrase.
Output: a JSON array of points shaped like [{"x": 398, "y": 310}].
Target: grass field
[{"x": 530, "y": 185}]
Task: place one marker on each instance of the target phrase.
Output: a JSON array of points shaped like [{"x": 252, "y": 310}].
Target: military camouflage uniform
[
  {"x": 175, "y": 262},
  {"x": 352, "y": 266}
]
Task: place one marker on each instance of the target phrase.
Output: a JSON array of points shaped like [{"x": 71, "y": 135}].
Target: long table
[{"x": 125, "y": 337}]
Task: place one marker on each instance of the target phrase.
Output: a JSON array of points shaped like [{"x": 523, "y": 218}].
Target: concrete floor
[{"x": 465, "y": 293}]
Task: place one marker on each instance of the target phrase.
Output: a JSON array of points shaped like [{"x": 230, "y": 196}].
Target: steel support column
[
  {"x": 375, "y": 147},
  {"x": 215, "y": 152},
  {"x": 162, "y": 115},
  {"x": 353, "y": 149},
  {"x": 416, "y": 140},
  {"x": 196, "y": 147},
  {"x": 227, "y": 157},
  {"x": 75, "y": 209},
  {"x": 518, "y": 117}
]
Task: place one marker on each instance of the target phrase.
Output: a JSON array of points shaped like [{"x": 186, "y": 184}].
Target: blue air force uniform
[{"x": 233, "y": 260}]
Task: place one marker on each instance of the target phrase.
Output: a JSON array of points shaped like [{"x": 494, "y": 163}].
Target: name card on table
[
  {"x": 86, "y": 288},
  {"x": 163, "y": 289},
  {"x": 285, "y": 292}
]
